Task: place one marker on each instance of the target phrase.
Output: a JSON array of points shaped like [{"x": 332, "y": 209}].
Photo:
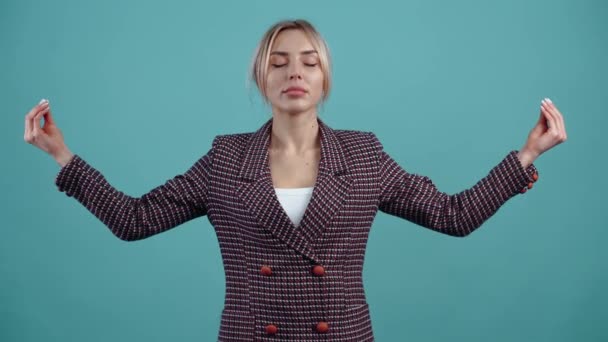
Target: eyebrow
[{"x": 283, "y": 53}]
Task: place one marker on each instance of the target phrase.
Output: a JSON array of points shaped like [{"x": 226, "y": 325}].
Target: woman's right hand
[{"x": 48, "y": 137}]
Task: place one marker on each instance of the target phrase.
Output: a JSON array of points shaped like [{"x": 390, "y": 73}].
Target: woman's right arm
[{"x": 180, "y": 199}]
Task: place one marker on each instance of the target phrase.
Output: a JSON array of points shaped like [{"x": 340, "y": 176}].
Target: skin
[
  {"x": 295, "y": 141},
  {"x": 48, "y": 137},
  {"x": 549, "y": 131}
]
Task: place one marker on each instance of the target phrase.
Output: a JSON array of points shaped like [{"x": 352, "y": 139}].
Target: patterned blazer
[{"x": 285, "y": 282}]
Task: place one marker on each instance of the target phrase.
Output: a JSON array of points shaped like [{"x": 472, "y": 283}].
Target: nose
[{"x": 295, "y": 72}]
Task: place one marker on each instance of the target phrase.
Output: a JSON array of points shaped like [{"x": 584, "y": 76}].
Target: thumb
[
  {"x": 48, "y": 117},
  {"x": 543, "y": 121}
]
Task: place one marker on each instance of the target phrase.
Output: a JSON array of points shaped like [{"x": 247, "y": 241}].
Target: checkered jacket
[{"x": 285, "y": 282}]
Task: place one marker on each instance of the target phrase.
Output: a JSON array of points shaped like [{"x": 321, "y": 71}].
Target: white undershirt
[{"x": 294, "y": 202}]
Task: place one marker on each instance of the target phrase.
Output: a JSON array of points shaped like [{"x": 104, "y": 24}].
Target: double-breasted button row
[
  {"x": 531, "y": 184},
  {"x": 317, "y": 270},
  {"x": 321, "y": 327}
]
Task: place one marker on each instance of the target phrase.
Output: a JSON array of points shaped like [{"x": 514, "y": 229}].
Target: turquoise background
[{"x": 139, "y": 90}]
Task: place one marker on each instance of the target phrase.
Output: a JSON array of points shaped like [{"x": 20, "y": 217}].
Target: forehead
[{"x": 292, "y": 40}]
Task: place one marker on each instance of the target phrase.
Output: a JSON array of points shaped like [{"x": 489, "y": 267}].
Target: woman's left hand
[{"x": 550, "y": 130}]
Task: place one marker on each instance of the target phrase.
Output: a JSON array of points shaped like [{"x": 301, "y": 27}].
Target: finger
[
  {"x": 550, "y": 117},
  {"x": 551, "y": 107},
  {"x": 40, "y": 106},
  {"x": 36, "y": 121},
  {"x": 28, "y": 118},
  {"x": 28, "y": 129},
  {"x": 560, "y": 118},
  {"x": 29, "y": 124},
  {"x": 48, "y": 117},
  {"x": 36, "y": 124},
  {"x": 542, "y": 121},
  {"x": 43, "y": 103},
  {"x": 550, "y": 121}
]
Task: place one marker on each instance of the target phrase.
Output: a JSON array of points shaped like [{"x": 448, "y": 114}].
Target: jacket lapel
[{"x": 331, "y": 188}]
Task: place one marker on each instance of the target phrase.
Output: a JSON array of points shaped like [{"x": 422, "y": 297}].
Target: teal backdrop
[{"x": 140, "y": 88}]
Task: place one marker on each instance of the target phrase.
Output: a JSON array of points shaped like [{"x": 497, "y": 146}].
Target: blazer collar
[
  {"x": 255, "y": 162},
  {"x": 332, "y": 187}
]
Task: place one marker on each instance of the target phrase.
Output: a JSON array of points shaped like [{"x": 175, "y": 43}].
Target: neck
[{"x": 294, "y": 132}]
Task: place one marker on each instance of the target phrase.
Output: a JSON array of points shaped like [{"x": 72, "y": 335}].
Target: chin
[{"x": 296, "y": 108}]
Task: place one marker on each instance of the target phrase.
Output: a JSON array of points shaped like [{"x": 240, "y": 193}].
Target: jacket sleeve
[
  {"x": 415, "y": 198},
  {"x": 178, "y": 200}
]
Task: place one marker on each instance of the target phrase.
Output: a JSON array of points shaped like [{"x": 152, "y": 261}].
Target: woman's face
[{"x": 295, "y": 79}]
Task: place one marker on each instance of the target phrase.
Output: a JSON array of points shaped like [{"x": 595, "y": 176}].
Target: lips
[{"x": 295, "y": 90}]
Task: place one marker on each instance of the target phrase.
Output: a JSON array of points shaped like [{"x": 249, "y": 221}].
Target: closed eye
[{"x": 284, "y": 64}]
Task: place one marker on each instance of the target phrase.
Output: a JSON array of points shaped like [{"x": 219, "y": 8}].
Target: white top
[{"x": 294, "y": 202}]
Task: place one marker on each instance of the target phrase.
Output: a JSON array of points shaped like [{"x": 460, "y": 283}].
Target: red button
[
  {"x": 266, "y": 270},
  {"x": 322, "y": 327},
  {"x": 271, "y": 329},
  {"x": 535, "y": 176},
  {"x": 530, "y": 185},
  {"x": 318, "y": 270},
  {"x": 523, "y": 191}
]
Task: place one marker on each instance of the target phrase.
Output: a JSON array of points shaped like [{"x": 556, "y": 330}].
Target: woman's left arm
[{"x": 416, "y": 199}]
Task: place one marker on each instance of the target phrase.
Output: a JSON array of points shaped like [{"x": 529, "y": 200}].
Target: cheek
[
  {"x": 273, "y": 82},
  {"x": 316, "y": 82}
]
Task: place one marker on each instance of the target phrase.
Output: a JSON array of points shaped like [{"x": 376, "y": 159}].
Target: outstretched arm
[
  {"x": 417, "y": 199},
  {"x": 178, "y": 200}
]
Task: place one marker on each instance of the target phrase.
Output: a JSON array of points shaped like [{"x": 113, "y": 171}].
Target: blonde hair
[{"x": 260, "y": 62}]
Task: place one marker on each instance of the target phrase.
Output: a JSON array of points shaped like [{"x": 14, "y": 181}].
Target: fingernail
[
  {"x": 42, "y": 101},
  {"x": 548, "y": 100}
]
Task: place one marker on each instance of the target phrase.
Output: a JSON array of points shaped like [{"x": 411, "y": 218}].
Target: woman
[{"x": 293, "y": 256}]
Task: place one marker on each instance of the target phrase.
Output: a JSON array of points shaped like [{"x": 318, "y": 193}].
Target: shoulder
[
  {"x": 229, "y": 148},
  {"x": 357, "y": 139},
  {"x": 232, "y": 140}
]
